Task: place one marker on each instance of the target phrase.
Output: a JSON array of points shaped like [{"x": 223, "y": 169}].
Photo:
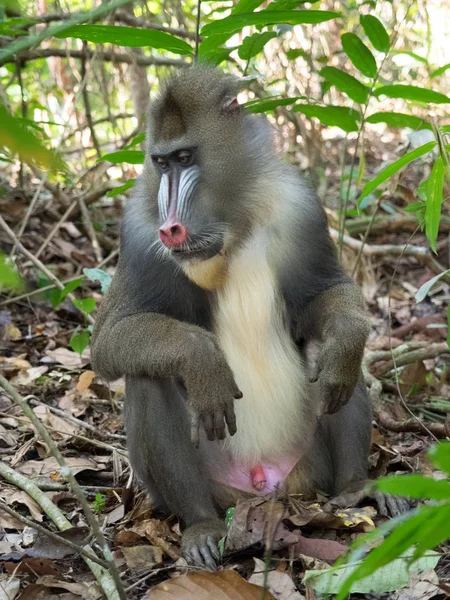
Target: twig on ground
[
  {"x": 104, "y": 578},
  {"x": 75, "y": 487}
]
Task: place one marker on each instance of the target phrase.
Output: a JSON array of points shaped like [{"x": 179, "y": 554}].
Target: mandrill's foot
[
  {"x": 388, "y": 505},
  {"x": 199, "y": 543}
]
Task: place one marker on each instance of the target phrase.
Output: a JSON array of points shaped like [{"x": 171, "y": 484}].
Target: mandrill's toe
[
  {"x": 388, "y": 505},
  {"x": 199, "y": 544}
]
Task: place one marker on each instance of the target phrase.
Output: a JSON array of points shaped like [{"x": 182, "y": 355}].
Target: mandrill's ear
[{"x": 230, "y": 106}]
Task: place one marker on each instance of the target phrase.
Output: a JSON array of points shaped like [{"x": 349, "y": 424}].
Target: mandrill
[{"x": 226, "y": 274}]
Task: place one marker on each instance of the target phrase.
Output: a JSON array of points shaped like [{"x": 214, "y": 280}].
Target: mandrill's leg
[
  {"x": 347, "y": 434},
  {"x": 164, "y": 458}
]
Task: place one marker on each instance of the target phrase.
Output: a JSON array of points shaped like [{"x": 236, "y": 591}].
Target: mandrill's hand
[
  {"x": 337, "y": 370},
  {"x": 210, "y": 387}
]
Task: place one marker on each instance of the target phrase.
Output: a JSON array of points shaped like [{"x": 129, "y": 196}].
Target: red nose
[{"x": 173, "y": 234}]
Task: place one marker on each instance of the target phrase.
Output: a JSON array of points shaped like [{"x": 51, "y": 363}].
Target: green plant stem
[{"x": 366, "y": 236}]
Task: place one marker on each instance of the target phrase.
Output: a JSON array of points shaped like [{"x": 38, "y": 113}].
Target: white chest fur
[{"x": 262, "y": 355}]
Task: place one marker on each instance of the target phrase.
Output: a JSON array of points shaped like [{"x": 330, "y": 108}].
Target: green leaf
[
  {"x": 70, "y": 287},
  {"x": 266, "y": 104},
  {"x": 294, "y": 53},
  {"x": 359, "y": 54},
  {"x": 9, "y": 277},
  {"x": 128, "y": 36},
  {"x": 411, "y": 54},
  {"x": 333, "y": 116},
  {"x": 86, "y": 305},
  {"x": 253, "y": 44},
  {"x": 434, "y": 202},
  {"x": 389, "y": 578},
  {"x": 394, "y": 167},
  {"x": 140, "y": 137},
  {"x": 415, "y": 207},
  {"x": 215, "y": 56},
  {"x": 394, "y": 119},
  {"x": 439, "y": 455},
  {"x": 99, "y": 275},
  {"x": 133, "y": 157},
  {"x": 287, "y": 4},
  {"x": 395, "y": 545},
  {"x": 411, "y": 92},
  {"x": 415, "y": 486},
  {"x": 34, "y": 40},
  {"x": 346, "y": 83},
  {"x": 120, "y": 189},
  {"x": 235, "y": 23},
  {"x": 440, "y": 70},
  {"x": 376, "y": 32},
  {"x": 80, "y": 340},
  {"x": 422, "y": 292},
  {"x": 20, "y": 140}
]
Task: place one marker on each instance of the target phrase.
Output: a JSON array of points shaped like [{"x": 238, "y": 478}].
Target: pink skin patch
[{"x": 265, "y": 477}]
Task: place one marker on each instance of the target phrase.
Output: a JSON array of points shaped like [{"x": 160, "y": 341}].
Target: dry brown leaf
[
  {"x": 12, "y": 332},
  {"x": 142, "y": 558},
  {"x": 85, "y": 381},
  {"x": 79, "y": 589},
  {"x": 326, "y": 550},
  {"x": 75, "y": 402},
  {"x": 50, "y": 467},
  {"x": 63, "y": 429},
  {"x": 254, "y": 520},
  {"x": 9, "y": 587},
  {"x": 27, "y": 376},
  {"x": 38, "y": 566},
  {"x": 351, "y": 518},
  {"x": 8, "y": 438},
  {"x": 45, "y": 547},
  {"x": 204, "y": 585},
  {"x": 23, "y": 498},
  {"x": 127, "y": 537},
  {"x": 279, "y": 584},
  {"x": 69, "y": 359}
]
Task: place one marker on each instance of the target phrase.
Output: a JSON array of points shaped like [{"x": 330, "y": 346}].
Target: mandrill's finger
[
  {"x": 219, "y": 425},
  {"x": 208, "y": 424},
  {"x": 195, "y": 428},
  {"x": 230, "y": 418}
]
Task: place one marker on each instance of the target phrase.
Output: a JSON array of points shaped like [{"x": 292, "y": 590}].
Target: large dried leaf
[
  {"x": 204, "y": 585},
  {"x": 279, "y": 583}
]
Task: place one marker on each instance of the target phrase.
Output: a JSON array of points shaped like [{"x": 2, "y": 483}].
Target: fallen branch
[
  {"x": 385, "y": 420},
  {"x": 419, "y": 354},
  {"x": 114, "y": 57},
  {"x": 420, "y": 253},
  {"x": 101, "y": 574},
  {"x": 74, "y": 485}
]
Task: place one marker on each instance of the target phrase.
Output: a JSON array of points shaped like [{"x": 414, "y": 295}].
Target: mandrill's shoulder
[{"x": 304, "y": 254}]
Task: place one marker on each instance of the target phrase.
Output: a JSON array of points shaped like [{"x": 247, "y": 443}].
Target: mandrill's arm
[
  {"x": 337, "y": 318},
  {"x": 130, "y": 339}
]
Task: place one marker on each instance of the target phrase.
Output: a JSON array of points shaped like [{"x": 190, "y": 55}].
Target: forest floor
[{"x": 84, "y": 419}]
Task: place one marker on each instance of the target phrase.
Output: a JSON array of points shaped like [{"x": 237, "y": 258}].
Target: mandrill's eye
[
  {"x": 185, "y": 157},
  {"x": 162, "y": 163}
]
